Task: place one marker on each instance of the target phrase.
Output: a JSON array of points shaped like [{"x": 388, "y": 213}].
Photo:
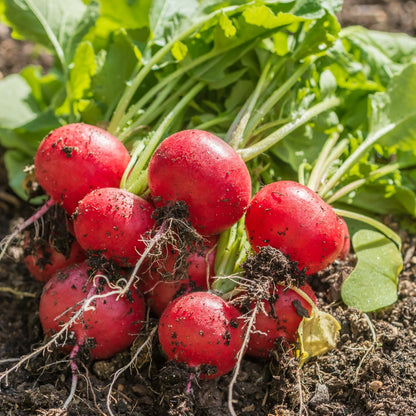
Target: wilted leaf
[{"x": 317, "y": 334}]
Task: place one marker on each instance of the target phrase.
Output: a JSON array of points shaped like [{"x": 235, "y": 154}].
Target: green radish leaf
[
  {"x": 167, "y": 17},
  {"x": 373, "y": 283},
  {"x": 384, "y": 197},
  {"x": 15, "y": 162},
  {"x": 83, "y": 68},
  {"x": 391, "y": 133},
  {"x": 128, "y": 14},
  {"x": 320, "y": 35},
  {"x": 315, "y": 9},
  {"x": 22, "y": 124},
  {"x": 17, "y": 104},
  {"x": 382, "y": 53},
  {"x": 52, "y": 23},
  {"x": 110, "y": 78}
]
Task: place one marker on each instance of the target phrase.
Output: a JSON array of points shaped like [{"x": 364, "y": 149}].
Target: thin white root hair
[
  {"x": 299, "y": 383},
  {"x": 54, "y": 339},
  {"x": 127, "y": 366},
  {"x": 5, "y": 243},
  {"x": 240, "y": 356},
  {"x": 369, "y": 349},
  {"x": 16, "y": 292},
  {"x": 150, "y": 244}
]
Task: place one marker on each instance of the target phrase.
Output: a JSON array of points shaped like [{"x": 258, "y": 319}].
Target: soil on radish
[{"x": 371, "y": 372}]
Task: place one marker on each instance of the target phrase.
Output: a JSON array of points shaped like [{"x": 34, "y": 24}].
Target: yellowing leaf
[
  {"x": 83, "y": 68},
  {"x": 179, "y": 51},
  {"x": 227, "y": 26},
  {"x": 264, "y": 17},
  {"x": 317, "y": 334}
]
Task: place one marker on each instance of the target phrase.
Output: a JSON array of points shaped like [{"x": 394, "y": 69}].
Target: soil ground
[{"x": 371, "y": 372}]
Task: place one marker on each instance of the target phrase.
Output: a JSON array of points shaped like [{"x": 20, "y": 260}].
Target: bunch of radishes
[{"x": 103, "y": 308}]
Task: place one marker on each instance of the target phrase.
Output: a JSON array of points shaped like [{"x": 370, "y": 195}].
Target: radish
[
  {"x": 113, "y": 223},
  {"x": 77, "y": 158},
  {"x": 206, "y": 173},
  {"x": 51, "y": 245},
  {"x": 347, "y": 241},
  {"x": 295, "y": 220},
  {"x": 281, "y": 320},
  {"x": 44, "y": 258},
  {"x": 203, "y": 331},
  {"x": 107, "y": 326},
  {"x": 165, "y": 280}
]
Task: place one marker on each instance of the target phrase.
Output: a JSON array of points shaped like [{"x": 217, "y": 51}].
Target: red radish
[
  {"x": 295, "y": 220},
  {"x": 113, "y": 222},
  {"x": 281, "y": 321},
  {"x": 201, "y": 169},
  {"x": 77, "y": 158},
  {"x": 110, "y": 324},
  {"x": 161, "y": 283},
  {"x": 43, "y": 259},
  {"x": 51, "y": 245},
  {"x": 203, "y": 331},
  {"x": 347, "y": 242}
]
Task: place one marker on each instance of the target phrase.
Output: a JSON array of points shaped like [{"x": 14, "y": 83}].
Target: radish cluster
[
  {"x": 100, "y": 289},
  {"x": 80, "y": 167}
]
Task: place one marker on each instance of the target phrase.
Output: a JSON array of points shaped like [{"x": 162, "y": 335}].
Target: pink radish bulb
[
  {"x": 281, "y": 320},
  {"x": 77, "y": 158},
  {"x": 203, "y": 331},
  {"x": 347, "y": 241},
  {"x": 202, "y": 170},
  {"x": 295, "y": 220},
  {"x": 113, "y": 223},
  {"x": 45, "y": 259},
  {"x": 159, "y": 291},
  {"x": 108, "y": 326}
]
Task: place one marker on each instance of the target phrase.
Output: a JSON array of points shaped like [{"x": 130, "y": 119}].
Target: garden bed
[{"x": 371, "y": 372}]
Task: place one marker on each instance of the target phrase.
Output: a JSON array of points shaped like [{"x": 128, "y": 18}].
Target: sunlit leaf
[{"x": 372, "y": 285}]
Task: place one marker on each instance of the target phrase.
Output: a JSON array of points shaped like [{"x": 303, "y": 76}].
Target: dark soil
[{"x": 371, "y": 372}]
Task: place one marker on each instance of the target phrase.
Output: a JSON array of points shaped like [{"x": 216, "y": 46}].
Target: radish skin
[
  {"x": 201, "y": 169},
  {"x": 295, "y": 220},
  {"x": 159, "y": 291},
  {"x": 281, "y": 320},
  {"x": 77, "y": 158},
  {"x": 108, "y": 326},
  {"x": 203, "y": 331},
  {"x": 114, "y": 223}
]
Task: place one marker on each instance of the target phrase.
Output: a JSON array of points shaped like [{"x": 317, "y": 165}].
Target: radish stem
[
  {"x": 38, "y": 214},
  {"x": 275, "y": 137}
]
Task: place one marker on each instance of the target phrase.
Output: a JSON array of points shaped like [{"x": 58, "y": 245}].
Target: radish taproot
[
  {"x": 295, "y": 220},
  {"x": 77, "y": 158},
  {"x": 203, "y": 331},
  {"x": 165, "y": 279},
  {"x": 206, "y": 173},
  {"x": 284, "y": 312},
  {"x": 107, "y": 326},
  {"x": 113, "y": 223}
]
